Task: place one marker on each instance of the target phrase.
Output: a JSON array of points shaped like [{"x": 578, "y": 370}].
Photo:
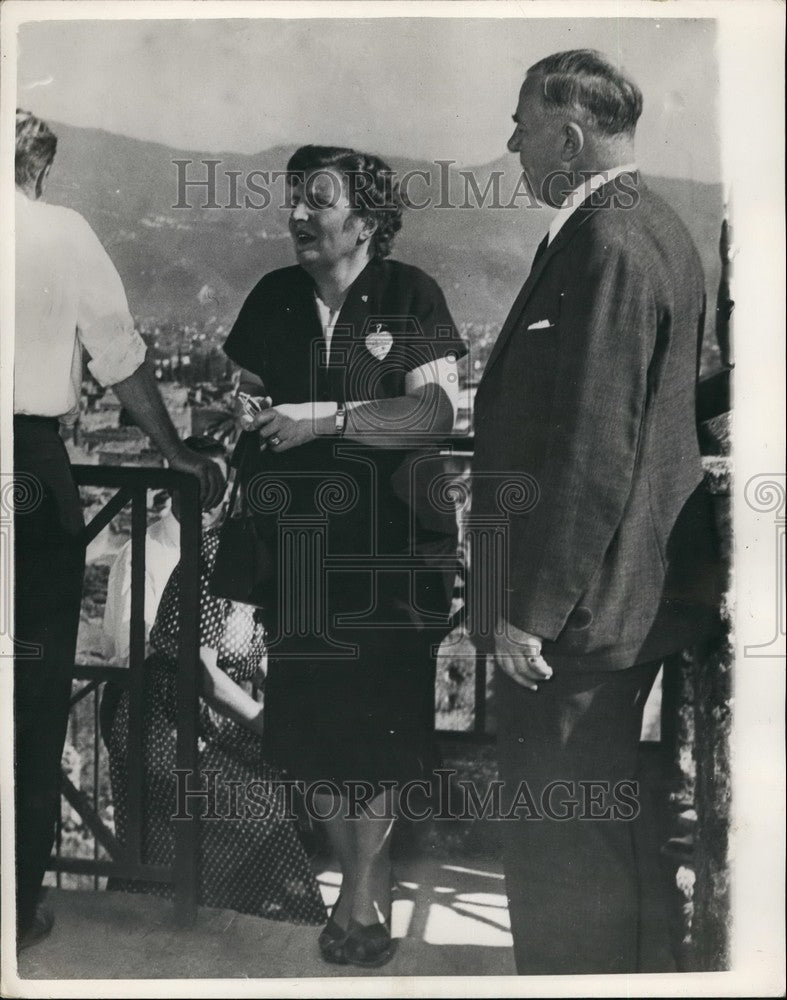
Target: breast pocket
[
  {"x": 542, "y": 315},
  {"x": 536, "y": 340},
  {"x": 541, "y": 325}
]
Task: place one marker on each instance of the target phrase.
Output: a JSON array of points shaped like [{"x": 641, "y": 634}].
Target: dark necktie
[{"x": 540, "y": 250}]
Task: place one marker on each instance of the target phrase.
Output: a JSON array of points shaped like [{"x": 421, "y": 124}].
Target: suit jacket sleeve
[{"x": 594, "y": 411}]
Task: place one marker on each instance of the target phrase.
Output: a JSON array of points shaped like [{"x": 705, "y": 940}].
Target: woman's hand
[
  {"x": 287, "y": 426},
  {"x": 250, "y": 398},
  {"x": 246, "y": 409},
  {"x": 226, "y": 697}
]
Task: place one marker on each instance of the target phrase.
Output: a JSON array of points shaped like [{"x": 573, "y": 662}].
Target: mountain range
[{"x": 196, "y": 264}]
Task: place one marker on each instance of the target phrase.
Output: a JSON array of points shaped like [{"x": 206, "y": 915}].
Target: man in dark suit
[{"x": 608, "y": 562}]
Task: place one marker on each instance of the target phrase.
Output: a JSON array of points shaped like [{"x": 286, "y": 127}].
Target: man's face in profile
[{"x": 537, "y": 139}]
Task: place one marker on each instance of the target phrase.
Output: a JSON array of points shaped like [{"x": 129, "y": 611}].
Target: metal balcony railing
[
  {"x": 131, "y": 485},
  {"x": 125, "y": 861}
]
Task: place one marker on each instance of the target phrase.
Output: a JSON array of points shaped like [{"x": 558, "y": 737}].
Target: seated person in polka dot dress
[{"x": 255, "y": 864}]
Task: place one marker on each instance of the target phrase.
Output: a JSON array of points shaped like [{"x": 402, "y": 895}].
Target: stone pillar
[
  {"x": 696, "y": 732},
  {"x": 713, "y": 724}
]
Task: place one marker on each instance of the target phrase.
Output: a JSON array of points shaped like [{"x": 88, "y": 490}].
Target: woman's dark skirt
[{"x": 368, "y": 717}]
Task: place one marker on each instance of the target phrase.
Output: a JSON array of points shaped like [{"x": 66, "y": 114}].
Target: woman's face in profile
[{"x": 323, "y": 227}]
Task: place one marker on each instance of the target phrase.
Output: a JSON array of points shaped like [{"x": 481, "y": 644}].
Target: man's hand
[
  {"x": 286, "y": 426},
  {"x": 140, "y": 395},
  {"x": 518, "y": 654},
  {"x": 211, "y": 478}
]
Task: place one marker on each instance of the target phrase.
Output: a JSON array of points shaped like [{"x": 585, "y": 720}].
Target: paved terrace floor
[{"x": 450, "y": 918}]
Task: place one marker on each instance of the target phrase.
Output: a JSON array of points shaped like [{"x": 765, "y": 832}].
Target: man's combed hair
[
  {"x": 372, "y": 188},
  {"x": 583, "y": 79},
  {"x": 36, "y": 145}
]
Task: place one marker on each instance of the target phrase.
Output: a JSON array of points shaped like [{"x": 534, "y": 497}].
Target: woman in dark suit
[{"x": 352, "y": 358}]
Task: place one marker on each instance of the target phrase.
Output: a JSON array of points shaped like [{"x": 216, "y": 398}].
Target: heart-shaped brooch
[{"x": 379, "y": 342}]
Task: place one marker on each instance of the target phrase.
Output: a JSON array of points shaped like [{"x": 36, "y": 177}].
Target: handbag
[{"x": 245, "y": 566}]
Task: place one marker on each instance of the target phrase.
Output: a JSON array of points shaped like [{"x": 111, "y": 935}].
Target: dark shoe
[
  {"x": 332, "y": 940},
  {"x": 369, "y": 945},
  {"x": 41, "y": 927}
]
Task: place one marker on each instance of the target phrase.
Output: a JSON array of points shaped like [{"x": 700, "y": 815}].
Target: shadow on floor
[{"x": 451, "y": 920}]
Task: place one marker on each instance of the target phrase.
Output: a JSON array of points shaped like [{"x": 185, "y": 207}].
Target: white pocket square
[{"x": 541, "y": 324}]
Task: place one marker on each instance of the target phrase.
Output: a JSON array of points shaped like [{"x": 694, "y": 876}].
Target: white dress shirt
[
  {"x": 328, "y": 318},
  {"x": 574, "y": 198},
  {"x": 68, "y": 296},
  {"x": 162, "y": 552}
]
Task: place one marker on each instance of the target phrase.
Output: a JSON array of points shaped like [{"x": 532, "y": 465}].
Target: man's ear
[{"x": 573, "y": 141}]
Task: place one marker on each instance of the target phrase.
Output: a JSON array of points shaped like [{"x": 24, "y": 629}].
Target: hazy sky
[{"x": 420, "y": 87}]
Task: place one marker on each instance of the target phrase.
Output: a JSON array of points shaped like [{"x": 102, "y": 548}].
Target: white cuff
[{"x": 122, "y": 358}]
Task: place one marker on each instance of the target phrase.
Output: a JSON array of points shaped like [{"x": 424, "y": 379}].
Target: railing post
[
  {"x": 186, "y": 869},
  {"x": 136, "y": 744},
  {"x": 127, "y": 862},
  {"x": 481, "y": 677},
  {"x": 487, "y": 550}
]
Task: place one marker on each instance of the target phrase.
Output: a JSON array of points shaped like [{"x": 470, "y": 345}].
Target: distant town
[{"x": 196, "y": 380}]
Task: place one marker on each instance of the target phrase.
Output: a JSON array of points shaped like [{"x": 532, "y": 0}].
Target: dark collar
[{"x": 367, "y": 283}]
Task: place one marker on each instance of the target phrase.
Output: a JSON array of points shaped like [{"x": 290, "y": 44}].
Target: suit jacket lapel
[
  {"x": 540, "y": 261},
  {"x": 543, "y": 253}
]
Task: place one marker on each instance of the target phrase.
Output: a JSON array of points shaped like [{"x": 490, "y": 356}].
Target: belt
[{"x": 34, "y": 421}]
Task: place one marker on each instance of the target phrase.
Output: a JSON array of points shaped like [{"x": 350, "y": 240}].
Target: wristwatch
[{"x": 340, "y": 421}]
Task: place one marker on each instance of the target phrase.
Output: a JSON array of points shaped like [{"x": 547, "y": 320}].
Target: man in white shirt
[{"x": 68, "y": 297}]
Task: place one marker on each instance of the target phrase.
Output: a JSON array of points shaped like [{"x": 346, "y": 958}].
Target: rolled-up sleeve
[{"x": 104, "y": 324}]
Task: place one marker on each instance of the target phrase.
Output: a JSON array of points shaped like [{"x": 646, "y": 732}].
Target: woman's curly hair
[{"x": 371, "y": 187}]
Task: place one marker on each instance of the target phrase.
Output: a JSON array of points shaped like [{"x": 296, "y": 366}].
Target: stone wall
[{"x": 697, "y": 723}]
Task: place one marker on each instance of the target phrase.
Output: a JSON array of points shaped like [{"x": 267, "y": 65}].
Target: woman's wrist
[{"x": 324, "y": 419}]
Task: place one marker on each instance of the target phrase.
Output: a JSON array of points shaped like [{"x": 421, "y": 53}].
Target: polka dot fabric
[
  {"x": 251, "y": 859},
  {"x": 227, "y": 627}
]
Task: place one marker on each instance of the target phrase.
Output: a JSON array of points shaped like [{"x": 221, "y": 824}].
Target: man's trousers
[
  {"x": 572, "y": 875},
  {"x": 49, "y": 559}
]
